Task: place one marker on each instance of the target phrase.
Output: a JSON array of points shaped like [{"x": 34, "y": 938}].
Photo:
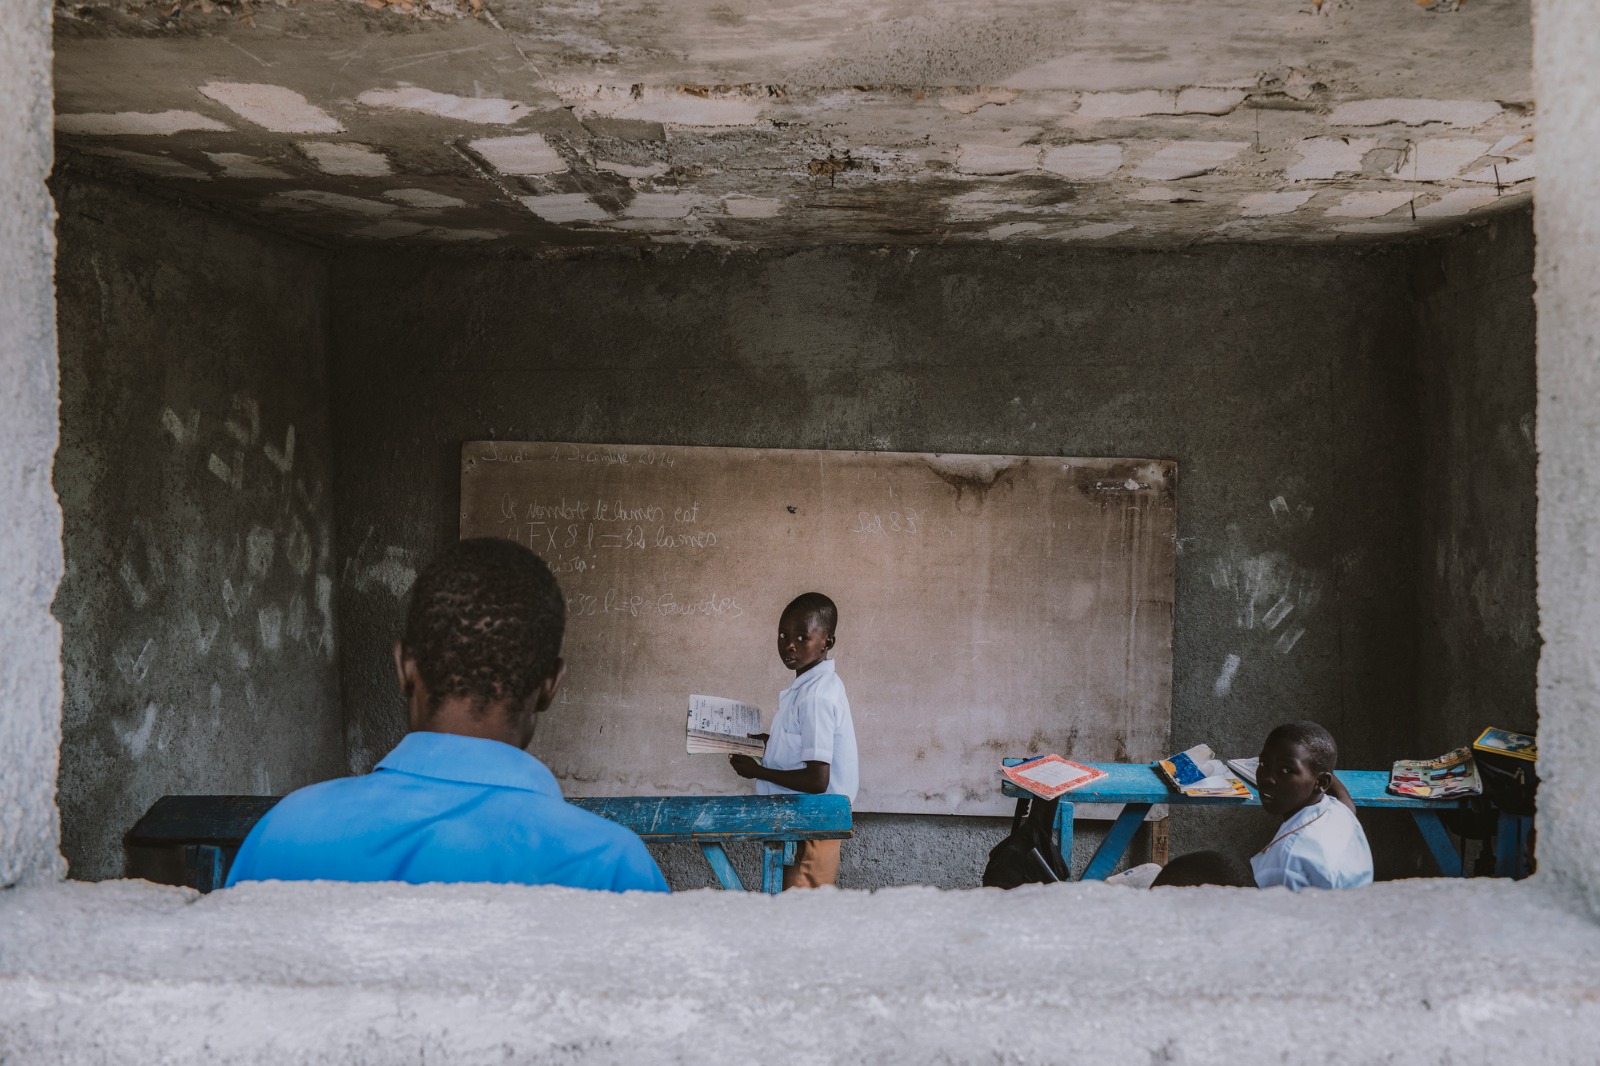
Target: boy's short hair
[
  {"x": 1205, "y": 868},
  {"x": 816, "y": 605},
  {"x": 485, "y": 622},
  {"x": 1322, "y": 753}
]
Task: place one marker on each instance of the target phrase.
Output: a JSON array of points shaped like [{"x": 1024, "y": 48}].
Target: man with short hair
[{"x": 459, "y": 799}]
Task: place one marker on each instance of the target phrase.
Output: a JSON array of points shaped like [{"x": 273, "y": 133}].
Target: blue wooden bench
[
  {"x": 211, "y": 828},
  {"x": 1138, "y": 788}
]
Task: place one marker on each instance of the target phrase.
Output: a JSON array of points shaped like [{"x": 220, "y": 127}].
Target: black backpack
[{"x": 1029, "y": 855}]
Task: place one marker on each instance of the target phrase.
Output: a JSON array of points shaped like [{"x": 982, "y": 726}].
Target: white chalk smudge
[
  {"x": 325, "y": 612},
  {"x": 220, "y": 469},
  {"x": 181, "y": 432},
  {"x": 283, "y": 460},
  {"x": 1279, "y": 507},
  {"x": 136, "y": 590},
  {"x": 297, "y": 549},
  {"x": 244, "y": 420},
  {"x": 295, "y": 624},
  {"x": 1287, "y": 642},
  {"x": 134, "y": 670},
  {"x": 230, "y": 598},
  {"x": 395, "y": 572},
  {"x": 269, "y": 622},
  {"x": 241, "y": 656},
  {"x": 1280, "y": 610},
  {"x": 204, "y": 638},
  {"x": 1224, "y": 683},
  {"x": 137, "y": 739},
  {"x": 260, "y": 545}
]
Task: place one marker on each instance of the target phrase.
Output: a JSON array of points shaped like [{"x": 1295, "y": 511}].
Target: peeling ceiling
[{"x": 1146, "y": 123}]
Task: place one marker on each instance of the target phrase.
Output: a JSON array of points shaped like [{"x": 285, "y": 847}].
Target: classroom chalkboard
[{"x": 989, "y": 605}]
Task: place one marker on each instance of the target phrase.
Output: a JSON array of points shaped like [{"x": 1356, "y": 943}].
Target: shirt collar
[
  {"x": 822, "y": 669},
  {"x": 472, "y": 760}
]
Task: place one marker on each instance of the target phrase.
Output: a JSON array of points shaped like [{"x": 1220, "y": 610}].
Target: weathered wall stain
[{"x": 197, "y": 613}]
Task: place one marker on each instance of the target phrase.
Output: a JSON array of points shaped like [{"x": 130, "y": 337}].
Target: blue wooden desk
[
  {"x": 1139, "y": 787},
  {"x": 211, "y": 828},
  {"x": 776, "y": 822}
]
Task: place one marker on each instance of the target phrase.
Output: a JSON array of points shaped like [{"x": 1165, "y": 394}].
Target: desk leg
[
  {"x": 1438, "y": 841},
  {"x": 1109, "y": 853},
  {"x": 727, "y": 876},
  {"x": 1064, "y": 834},
  {"x": 209, "y": 871},
  {"x": 772, "y": 866},
  {"x": 1510, "y": 834}
]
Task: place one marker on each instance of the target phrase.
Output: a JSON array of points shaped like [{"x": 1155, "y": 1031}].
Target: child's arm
[
  {"x": 812, "y": 778},
  {"x": 1337, "y": 790}
]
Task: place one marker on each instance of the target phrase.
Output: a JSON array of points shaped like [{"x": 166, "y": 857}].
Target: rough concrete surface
[
  {"x": 195, "y": 476},
  {"x": 1291, "y": 414},
  {"x": 273, "y": 973},
  {"x": 1568, "y": 277},
  {"x": 1134, "y": 122},
  {"x": 30, "y": 520},
  {"x": 1478, "y": 645}
]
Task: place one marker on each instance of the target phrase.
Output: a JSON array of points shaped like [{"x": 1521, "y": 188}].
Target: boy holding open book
[{"x": 812, "y": 744}]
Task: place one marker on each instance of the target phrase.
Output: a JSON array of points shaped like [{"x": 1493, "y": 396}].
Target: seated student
[
  {"x": 812, "y": 746},
  {"x": 1320, "y": 843},
  {"x": 458, "y": 799},
  {"x": 1205, "y": 868}
]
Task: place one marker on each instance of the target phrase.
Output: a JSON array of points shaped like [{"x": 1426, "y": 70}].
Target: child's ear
[
  {"x": 1325, "y": 781},
  {"x": 827, "y": 645}
]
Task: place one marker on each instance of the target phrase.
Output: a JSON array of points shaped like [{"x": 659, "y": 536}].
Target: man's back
[{"x": 442, "y": 807}]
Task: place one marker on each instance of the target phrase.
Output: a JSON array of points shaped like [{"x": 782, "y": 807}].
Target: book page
[{"x": 720, "y": 725}]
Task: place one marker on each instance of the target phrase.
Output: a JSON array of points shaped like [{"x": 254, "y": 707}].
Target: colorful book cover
[
  {"x": 1505, "y": 742},
  {"x": 1050, "y": 776},
  {"x": 1198, "y": 772},
  {"x": 1452, "y": 774}
]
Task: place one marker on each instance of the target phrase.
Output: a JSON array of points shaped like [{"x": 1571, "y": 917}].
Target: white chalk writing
[{"x": 891, "y": 524}]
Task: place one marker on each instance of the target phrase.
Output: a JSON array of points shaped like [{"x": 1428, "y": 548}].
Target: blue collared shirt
[{"x": 442, "y": 807}]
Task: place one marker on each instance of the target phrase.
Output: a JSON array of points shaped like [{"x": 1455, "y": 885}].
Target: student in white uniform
[
  {"x": 1320, "y": 843},
  {"x": 812, "y": 746}
]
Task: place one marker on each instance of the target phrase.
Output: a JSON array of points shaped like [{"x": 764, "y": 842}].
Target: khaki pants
[{"x": 816, "y": 863}]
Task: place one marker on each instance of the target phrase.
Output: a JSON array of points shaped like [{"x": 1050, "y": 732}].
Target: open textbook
[
  {"x": 1198, "y": 772},
  {"x": 1452, "y": 774},
  {"x": 721, "y": 726}
]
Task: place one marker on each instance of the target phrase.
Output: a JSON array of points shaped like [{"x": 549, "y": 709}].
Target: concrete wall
[
  {"x": 1566, "y": 44},
  {"x": 1280, "y": 379},
  {"x": 1478, "y": 626},
  {"x": 30, "y": 521},
  {"x": 195, "y": 479}
]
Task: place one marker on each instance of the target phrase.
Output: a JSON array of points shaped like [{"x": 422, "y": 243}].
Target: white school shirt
[
  {"x": 1322, "y": 845},
  {"x": 813, "y": 724}
]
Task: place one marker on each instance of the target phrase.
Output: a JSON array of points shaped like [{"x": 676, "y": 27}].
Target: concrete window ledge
[{"x": 129, "y": 972}]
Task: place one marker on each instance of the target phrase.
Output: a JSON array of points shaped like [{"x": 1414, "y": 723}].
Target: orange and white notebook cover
[{"x": 1050, "y": 775}]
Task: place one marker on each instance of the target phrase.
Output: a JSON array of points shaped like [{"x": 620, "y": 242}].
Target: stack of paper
[{"x": 721, "y": 726}]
